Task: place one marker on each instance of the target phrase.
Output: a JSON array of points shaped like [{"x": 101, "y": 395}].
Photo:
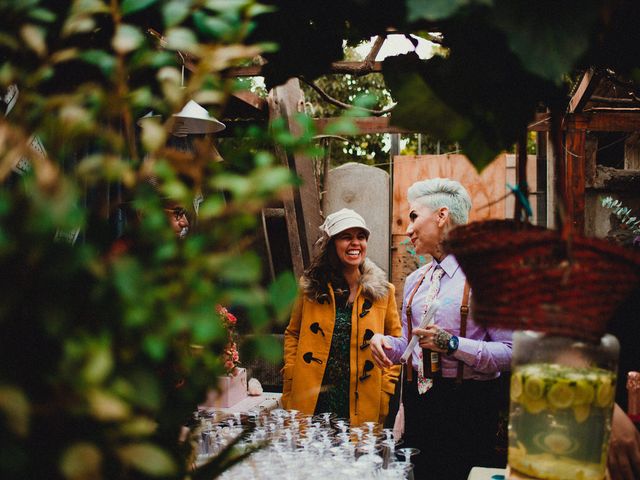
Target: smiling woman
[
  {"x": 345, "y": 300},
  {"x": 351, "y": 247}
]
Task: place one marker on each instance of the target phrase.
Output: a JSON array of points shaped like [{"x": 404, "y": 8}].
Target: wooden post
[
  {"x": 575, "y": 172},
  {"x": 287, "y": 101}
]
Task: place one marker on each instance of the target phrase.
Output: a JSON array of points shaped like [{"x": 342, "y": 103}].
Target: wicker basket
[{"x": 527, "y": 277}]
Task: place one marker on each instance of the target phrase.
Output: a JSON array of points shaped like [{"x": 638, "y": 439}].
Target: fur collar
[{"x": 373, "y": 280}]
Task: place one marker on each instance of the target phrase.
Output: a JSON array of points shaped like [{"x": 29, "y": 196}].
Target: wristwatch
[{"x": 452, "y": 346}]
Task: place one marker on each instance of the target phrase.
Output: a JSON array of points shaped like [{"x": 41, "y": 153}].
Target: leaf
[
  {"x": 15, "y": 407},
  {"x": 153, "y": 135},
  {"x": 548, "y": 37},
  {"x": 155, "y": 347},
  {"x": 80, "y": 461},
  {"x": 342, "y": 126},
  {"x": 436, "y": 9},
  {"x": 34, "y": 38},
  {"x": 99, "y": 364},
  {"x": 148, "y": 458},
  {"x": 107, "y": 407},
  {"x": 418, "y": 106},
  {"x": 127, "y": 39},
  {"x": 244, "y": 268},
  {"x": 282, "y": 293},
  {"x": 205, "y": 330},
  {"x": 211, "y": 25},
  {"x": 267, "y": 181},
  {"x": 212, "y": 206},
  {"x": 42, "y": 15},
  {"x": 80, "y": 23},
  {"x": 100, "y": 59},
  {"x": 226, "y": 5},
  {"x": 139, "y": 427},
  {"x": 181, "y": 39},
  {"x": 420, "y": 109},
  {"x": 89, "y": 7},
  {"x": 131, "y": 6},
  {"x": 175, "y": 11},
  {"x": 256, "y": 9}
]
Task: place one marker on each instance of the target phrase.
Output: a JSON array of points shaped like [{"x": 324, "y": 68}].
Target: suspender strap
[
  {"x": 464, "y": 313},
  {"x": 407, "y": 310}
]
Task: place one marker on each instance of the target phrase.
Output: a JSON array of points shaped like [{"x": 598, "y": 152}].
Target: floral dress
[{"x": 334, "y": 394}]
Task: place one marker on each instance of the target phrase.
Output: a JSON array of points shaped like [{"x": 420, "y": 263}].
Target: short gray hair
[{"x": 442, "y": 192}]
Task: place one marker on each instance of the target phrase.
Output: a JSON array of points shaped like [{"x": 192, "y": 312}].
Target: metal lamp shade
[
  {"x": 148, "y": 116},
  {"x": 194, "y": 119}
]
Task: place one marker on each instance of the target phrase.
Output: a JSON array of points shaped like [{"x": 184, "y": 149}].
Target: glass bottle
[
  {"x": 431, "y": 363},
  {"x": 562, "y": 395}
]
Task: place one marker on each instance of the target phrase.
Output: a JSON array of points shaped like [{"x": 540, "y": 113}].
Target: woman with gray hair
[{"x": 451, "y": 394}]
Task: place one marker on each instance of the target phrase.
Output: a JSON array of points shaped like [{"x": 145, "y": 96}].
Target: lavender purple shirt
[{"x": 485, "y": 351}]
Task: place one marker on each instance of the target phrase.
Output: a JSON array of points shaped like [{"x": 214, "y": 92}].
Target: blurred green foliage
[{"x": 99, "y": 369}]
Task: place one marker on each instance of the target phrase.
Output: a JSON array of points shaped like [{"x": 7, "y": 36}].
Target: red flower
[{"x": 230, "y": 351}]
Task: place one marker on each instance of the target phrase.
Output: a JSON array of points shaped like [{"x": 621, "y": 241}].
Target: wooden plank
[
  {"x": 601, "y": 121},
  {"x": 365, "y": 125},
  {"x": 251, "y": 99},
  {"x": 632, "y": 152},
  {"x": 541, "y": 187},
  {"x": 575, "y": 156},
  {"x": 611, "y": 121},
  {"x": 610, "y": 179},
  {"x": 290, "y": 100},
  {"x": 351, "y": 68},
  {"x": 590, "y": 152},
  {"x": 540, "y": 123},
  {"x": 290, "y": 213},
  {"x": 587, "y": 85}
]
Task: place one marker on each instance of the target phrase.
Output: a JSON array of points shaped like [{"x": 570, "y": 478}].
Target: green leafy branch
[{"x": 623, "y": 214}]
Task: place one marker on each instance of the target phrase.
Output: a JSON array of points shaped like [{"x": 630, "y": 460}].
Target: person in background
[
  {"x": 452, "y": 421},
  {"x": 345, "y": 300},
  {"x": 624, "y": 450}
]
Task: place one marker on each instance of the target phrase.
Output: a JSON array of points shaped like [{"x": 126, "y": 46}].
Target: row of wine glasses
[{"x": 293, "y": 446}]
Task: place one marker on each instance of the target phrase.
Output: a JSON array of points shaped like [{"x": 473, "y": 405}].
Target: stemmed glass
[
  {"x": 388, "y": 448},
  {"x": 407, "y": 453}
]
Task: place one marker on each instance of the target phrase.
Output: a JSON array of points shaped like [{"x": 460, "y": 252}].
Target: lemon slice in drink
[
  {"x": 534, "y": 406},
  {"x": 561, "y": 395},
  {"x": 516, "y": 387},
  {"x": 584, "y": 393},
  {"x": 581, "y": 412},
  {"x": 534, "y": 387},
  {"x": 604, "y": 394}
]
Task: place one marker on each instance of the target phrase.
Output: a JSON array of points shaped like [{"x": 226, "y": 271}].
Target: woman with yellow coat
[{"x": 345, "y": 299}]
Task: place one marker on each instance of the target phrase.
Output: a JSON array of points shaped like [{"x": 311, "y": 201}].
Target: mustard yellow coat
[{"x": 368, "y": 396}]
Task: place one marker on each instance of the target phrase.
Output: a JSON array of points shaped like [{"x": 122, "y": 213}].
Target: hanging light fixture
[
  {"x": 150, "y": 115},
  {"x": 194, "y": 119}
]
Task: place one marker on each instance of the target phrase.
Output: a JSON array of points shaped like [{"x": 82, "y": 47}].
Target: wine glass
[{"x": 407, "y": 453}]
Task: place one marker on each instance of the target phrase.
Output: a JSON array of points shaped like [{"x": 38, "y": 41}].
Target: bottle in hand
[{"x": 431, "y": 363}]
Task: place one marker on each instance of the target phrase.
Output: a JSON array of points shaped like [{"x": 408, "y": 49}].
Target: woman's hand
[
  {"x": 624, "y": 447},
  {"x": 433, "y": 338},
  {"x": 378, "y": 346}
]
